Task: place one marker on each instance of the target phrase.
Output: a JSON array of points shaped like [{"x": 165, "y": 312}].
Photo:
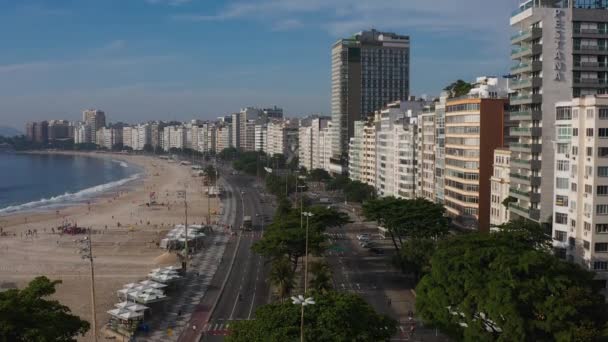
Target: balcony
[
  {"x": 525, "y": 195},
  {"x": 533, "y": 82},
  {"x": 526, "y": 51},
  {"x": 526, "y": 148},
  {"x": 533, "y": 214},
  {"x": 526, "y": 180},
  {"x": 590, "y": 66},
  {"x": 589, "y": 33},
  {"x": 529, "y": 164},
  {"x": 526, "y": 35},
  {"x": 526, "y": 67},
  {"x": 525, "y": 99},
  {"x": 526, "y": 131},
  {"x": 590, "y": 83},
  {"x": 526, "y": 115},
  {"x": 590, "y": 49}
]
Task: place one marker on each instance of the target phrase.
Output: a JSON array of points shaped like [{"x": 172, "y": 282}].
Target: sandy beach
[{"x": 125, "y": 235}]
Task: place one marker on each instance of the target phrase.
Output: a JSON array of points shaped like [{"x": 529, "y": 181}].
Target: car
[
  {"x": 363, "y": 236},
  {"x": 366, "y": 244}
]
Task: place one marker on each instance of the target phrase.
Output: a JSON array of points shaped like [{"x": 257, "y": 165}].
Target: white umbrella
[
  {"x": 129, "y": 285},
  {"x": 130, "y": 306}
]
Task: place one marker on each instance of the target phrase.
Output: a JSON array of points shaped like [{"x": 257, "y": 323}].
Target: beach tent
[
  {"x": 130, "y": 315},
  {"x": 117, "y": 312},
  {"x": 153, "y": 284},
  {"x": 131, "y": 306}
]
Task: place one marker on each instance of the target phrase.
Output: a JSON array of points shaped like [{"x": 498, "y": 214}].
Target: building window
[
  {"x": 602, "y": 152},
  {"x": 603, "y": 113},
  {"x": 561, "y": 183},
  {"x": 589, "y": 132},
  {"x": 601, "y": 247},
  {"x": 589, "y": 151},
  {"x": 602, "y": 171},
  {"x": 575, "y": 150},
  {"x": 601, "y": 209},
  {"x": 601, "y": 228},
  {"x": 586, "y": 244},
  {"x": 573, "y": 187},
  {"x": 588, "y": 189},
  {"x": 561, "y": 218},
  {"x": 560, "y": 236},
  {"x": 563, "y": 165},
  {"x": 602, "y": 132},
  {"x": 600, "y": 265},
  {"x": 602, "y": 190},
  {"x": 587, "y": 226},
  {"x": 561, "y": 201},
  {"x": 562, "y": 148}
]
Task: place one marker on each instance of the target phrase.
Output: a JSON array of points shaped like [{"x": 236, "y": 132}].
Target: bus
[{"x": 247, "y": 223}]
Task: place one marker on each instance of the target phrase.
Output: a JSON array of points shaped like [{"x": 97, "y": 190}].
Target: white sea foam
[
  {"x": 122, "y": 163},
  {"x": 62, "y": 200}
]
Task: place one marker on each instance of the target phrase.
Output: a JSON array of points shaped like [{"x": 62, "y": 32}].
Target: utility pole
[
  {"x": 184, "y": 194},
  {"x": 308, "y": 215},
  {"x": 86, "y": 252}
]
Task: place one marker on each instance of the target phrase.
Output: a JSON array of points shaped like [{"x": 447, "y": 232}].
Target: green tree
[
  {"x": 415, "y": 256},
  {"x": 459, "y": 88},
  {"x": 334, "y": 317},
  {"x": 503, "y": 289},
  {"x": 26, "y": 315},
  {"x": 282, "y": 276},
  {"x": 321, "y": 277},
  {"x": 211, "y": 174},
  {"x": 415, "y": 218},
  {"x": 319, "y": 175}
]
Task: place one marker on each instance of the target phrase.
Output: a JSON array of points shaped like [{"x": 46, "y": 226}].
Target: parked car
[
  {"x": 366, "y": 244},
  {"x": 363, "y": 236}
]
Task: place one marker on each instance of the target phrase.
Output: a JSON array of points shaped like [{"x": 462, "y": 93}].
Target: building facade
[
  {"x": 369, "y": 71},
  {"x": 559, "y": 52},
  {"x": 95, "y": 119},
  {"x": 500, "y": 185},
  {"x": 474, "y": 128},
  {"x": 580, "y": 218}
]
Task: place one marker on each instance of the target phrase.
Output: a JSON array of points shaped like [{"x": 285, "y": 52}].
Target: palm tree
[
  {"x": 282, "y": 276},
  {"x": 321, "y": 276}
]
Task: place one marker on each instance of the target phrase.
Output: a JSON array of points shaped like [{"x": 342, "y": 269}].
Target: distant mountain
[{"x": 8, "y": 131}]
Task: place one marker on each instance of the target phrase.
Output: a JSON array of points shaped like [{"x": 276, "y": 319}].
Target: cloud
[
  {"x": 168, "y": 2},
  {"x": 287, "y": 24},
  {"x": 340, "y": 17}
]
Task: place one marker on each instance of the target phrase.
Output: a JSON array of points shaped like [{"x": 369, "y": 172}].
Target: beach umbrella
[
  {"x": 129, "y": 285},
  {"x": 130, "y": 306}
]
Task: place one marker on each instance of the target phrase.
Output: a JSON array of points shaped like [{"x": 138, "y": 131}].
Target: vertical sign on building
[{"x": 558, "y": 60}]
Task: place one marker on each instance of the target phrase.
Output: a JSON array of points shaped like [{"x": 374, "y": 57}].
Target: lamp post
[
  {"x": 300, "y": 300},
  {"x": 86, "y": 252},
  {"x": 308, "y": 215}
]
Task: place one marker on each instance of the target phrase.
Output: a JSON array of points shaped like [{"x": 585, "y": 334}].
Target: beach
[{"x": 126, "y": 233}]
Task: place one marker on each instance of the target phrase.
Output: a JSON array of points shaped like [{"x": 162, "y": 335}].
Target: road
[
  {"x": 357, "y": 270},
  {"x": 246, "y": 287}
]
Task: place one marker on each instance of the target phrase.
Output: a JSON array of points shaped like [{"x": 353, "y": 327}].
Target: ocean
[{"x": 47, "y": 181}]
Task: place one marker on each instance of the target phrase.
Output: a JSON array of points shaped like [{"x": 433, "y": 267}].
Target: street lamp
[
  {"x": 86, "y": 252},
  {"x": 300, "y": 300},
  {"x": 308, "y": 215}
]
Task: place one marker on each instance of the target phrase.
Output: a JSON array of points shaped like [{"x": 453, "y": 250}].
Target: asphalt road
[{"x": 246, "y": 287}]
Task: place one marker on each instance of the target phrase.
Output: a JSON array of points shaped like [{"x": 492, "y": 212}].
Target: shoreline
[
  {"x": 126, "y": 232},
  {"x": 82, "y": 196}
]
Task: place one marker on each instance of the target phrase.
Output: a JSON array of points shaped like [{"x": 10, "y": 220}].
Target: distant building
[
  {"x": 95, "y": 119},
  {"x": 369, "y": 71},
  {"x": 314, "y": 143},
  {"x": 60, "y": 129},
  {"x": 261, "y": 136},
  {"x": 272, "y": 113},
  {"x": 37, "y": 131}
]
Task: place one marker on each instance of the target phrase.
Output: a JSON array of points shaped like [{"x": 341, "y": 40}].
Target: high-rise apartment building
[
  {"x": 37, "y": 131},
  {"x": 314, "y": 143},
  {"x": 261, "y": 137},
  {"x": 369, "y": 71},
  {"x": 362, "y": 152},
  {"x": 500, "y": 185},
  {"x": 474, "y": 128},
  {"x": 223, "y": 137},
  {"x": 95, "y": 119},
  {"x": 560, "y": 52},
  {"x": 59, "y": 129},
  {"x": 580, "y": 218},
  {"x": 272, "y": 113},
  {"x": 426, "y": 153}
]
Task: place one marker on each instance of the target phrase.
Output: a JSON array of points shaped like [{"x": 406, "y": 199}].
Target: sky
[{"x": 142, "y": 60}]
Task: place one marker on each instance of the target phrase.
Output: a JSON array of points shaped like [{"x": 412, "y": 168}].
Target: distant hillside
[{"x": 8, "y": 131}]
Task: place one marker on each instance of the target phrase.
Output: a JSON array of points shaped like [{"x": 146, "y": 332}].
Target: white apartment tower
[{"x": 580, "y": 219}]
